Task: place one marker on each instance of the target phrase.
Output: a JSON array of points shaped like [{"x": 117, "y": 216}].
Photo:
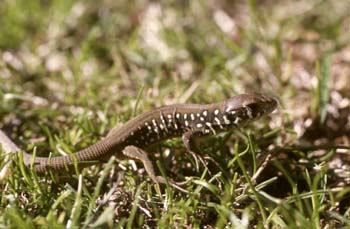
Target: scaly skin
[{"x": 186, "y": 120}]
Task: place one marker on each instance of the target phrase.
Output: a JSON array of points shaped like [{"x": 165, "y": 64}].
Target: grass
[{"x": 71, "y": 71}]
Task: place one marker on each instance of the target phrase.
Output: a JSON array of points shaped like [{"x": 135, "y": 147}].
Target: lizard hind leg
[{"x": 141, "y": 155}]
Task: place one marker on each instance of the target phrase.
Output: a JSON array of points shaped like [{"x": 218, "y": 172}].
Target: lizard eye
[{"x": 257, "y": 109}]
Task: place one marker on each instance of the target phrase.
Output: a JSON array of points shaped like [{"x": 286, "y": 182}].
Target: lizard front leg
[{"x": 189, "y": 140}]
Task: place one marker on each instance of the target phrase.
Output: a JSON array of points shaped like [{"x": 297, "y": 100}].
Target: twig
[{"x": 8, "y": 147}]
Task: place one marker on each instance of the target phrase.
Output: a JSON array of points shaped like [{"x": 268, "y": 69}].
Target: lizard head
[{"x": 246, "y": 107}]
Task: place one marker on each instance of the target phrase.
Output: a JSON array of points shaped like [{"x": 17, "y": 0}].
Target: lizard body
[{"x": 186, "y": 120}]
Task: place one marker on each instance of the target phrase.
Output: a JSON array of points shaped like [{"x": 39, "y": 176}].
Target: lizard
[{"x": 188, "y": 121}]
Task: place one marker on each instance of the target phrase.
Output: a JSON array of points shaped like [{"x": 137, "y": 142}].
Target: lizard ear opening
[{"x": 255, "y": 109}]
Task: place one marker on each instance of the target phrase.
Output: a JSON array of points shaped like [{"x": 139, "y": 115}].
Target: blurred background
[{"x": 55, "y": 53}]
